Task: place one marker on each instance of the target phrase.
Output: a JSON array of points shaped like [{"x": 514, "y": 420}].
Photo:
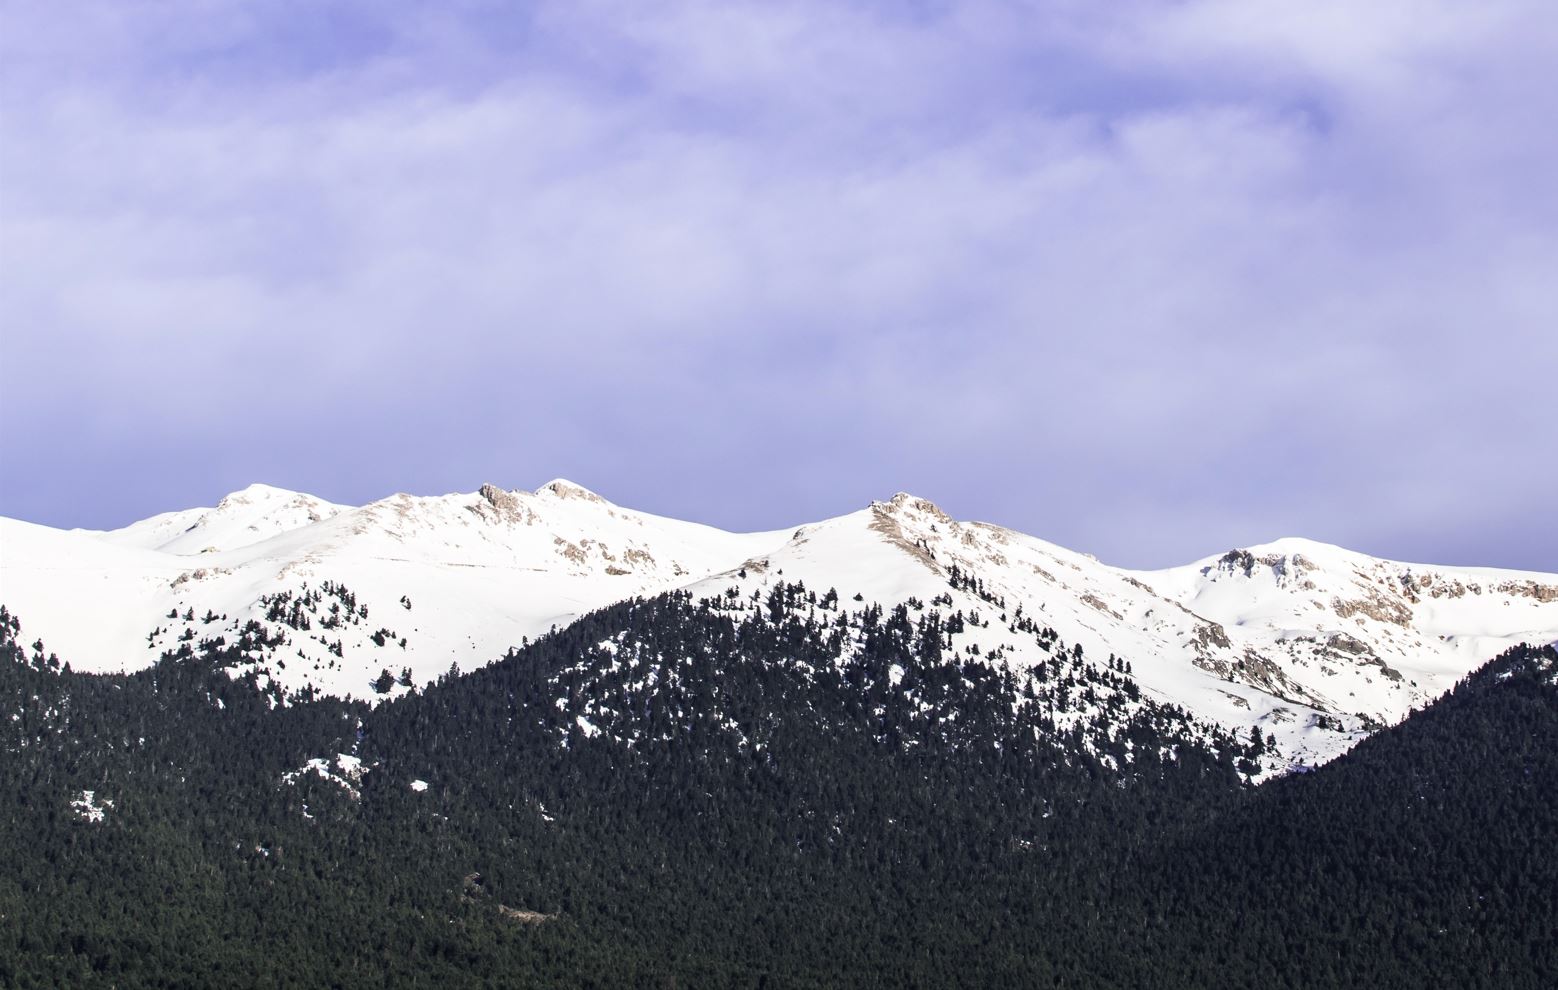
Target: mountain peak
[
  {"x": 904, "y": 501},
  {"x": 563, "y": 488},
  {"x": 498, "y": 505},
  {"x": 1305, "y": 553},
  {"x": 256, "y": 492},
  {"x": 1297, "y": 544}
]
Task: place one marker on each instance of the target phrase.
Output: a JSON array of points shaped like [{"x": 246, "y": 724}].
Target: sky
[{"x": 1148, "y": 279}]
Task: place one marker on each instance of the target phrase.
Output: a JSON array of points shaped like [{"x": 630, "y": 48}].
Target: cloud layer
[{"x": 1149, "y": 279}]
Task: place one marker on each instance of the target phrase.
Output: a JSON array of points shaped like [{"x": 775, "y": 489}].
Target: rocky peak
[
  {"x": 903, "y": 502},
  {"x": 565, "y": 489},
  {"x": 497, "y": 505}
]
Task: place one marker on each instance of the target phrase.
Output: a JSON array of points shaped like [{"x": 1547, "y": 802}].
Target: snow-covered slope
[
  {"x": 1310, "y": 643},
  {"x": 405, "y": 582},
  {"x": 1313, "y": 644},
  {"x": 239, "y": 520}
]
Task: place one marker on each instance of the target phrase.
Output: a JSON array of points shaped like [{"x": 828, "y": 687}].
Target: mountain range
[
  {"x": 1311, "y": 645},
  {"x": 516, "y": 738}
]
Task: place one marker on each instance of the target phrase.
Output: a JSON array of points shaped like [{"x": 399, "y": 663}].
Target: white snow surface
[
  {"x": 89, "y": 809},
  {"x": 345, "y": 771},
  {"x": 1310, "y": 642}
]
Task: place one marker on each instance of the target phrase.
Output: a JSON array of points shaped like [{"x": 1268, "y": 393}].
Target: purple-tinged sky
[{"x": 1148, "y": 279}]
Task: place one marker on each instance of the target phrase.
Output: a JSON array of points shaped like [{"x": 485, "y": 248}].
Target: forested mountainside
[{"x": 692, "y": 792}]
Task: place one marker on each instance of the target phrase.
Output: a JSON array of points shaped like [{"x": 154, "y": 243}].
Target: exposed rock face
[
  {"x": 1214, "y": 653},
  {"x": 1344, "y": 643},
  {"x": 473, "y": 888},
  {"x": 1350, "y": 649},
  {"x": 1266, "y": 674},
  {"x": 1212, "y": 633},
  {"x": 903, "y": 500},
  {"x": 524, "y": 917},
  {"x": 885, "y": 520},
  {"x": 499, "y": 506},
  {"x": 1376, "y": 606},
  {"x": 1237, "y": 562},
  {"x": 634, "y": 557},
  {"x": 1530, "y": 589},
  {"x": 1101, "y": 605},
  {"x": 198, "y": 574},
  {"x": 567, "y": 489}
]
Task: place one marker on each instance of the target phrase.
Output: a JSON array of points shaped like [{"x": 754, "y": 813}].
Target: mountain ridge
[{"x": 1314, "y": 644}]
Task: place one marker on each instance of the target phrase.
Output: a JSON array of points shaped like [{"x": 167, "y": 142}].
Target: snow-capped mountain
[
  {"x": 1313, "y": 643},
  {"x": 404, "y": 582},
  {"x": 1307, "y": 642},
  {"x": 242, "y": 518}
]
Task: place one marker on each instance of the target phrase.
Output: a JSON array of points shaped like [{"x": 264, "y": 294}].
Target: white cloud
[{"x": 1075, "y": 250}]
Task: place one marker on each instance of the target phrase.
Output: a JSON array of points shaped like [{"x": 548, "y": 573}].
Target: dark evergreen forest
[{"x": 715, "y": 793}]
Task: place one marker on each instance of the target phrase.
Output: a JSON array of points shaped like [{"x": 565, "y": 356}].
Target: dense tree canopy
[{"x": 775, "y": 793}]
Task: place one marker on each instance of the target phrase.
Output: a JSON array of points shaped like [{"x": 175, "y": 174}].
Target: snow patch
[
  {"x": 89, "y": 809},
  {"x": 345, "y": 771}
]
